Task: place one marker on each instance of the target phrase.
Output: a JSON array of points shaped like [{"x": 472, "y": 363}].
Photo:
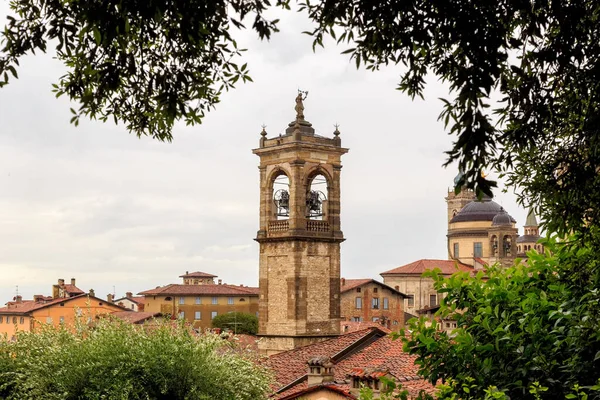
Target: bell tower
[{"x": 299, "y": 235}]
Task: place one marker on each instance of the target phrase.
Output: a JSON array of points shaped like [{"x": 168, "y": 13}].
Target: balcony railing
[
  {"x": 279, "y": 226},
  {"x": 317, "y": 226}
]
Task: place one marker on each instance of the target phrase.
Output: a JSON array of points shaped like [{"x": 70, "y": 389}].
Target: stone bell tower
[{"x": 299, "y": 236}]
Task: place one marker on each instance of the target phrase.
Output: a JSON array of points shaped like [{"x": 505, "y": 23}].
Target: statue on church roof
[{"x": 299, "y": 105}]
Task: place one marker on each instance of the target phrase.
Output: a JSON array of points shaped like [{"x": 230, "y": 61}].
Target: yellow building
[{"x": 199, "y": 299}]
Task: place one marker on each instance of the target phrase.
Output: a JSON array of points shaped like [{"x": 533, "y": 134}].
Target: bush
[
  {"x": 529, "y": 331},
  {"x": 237, "y": 322},
  {"x": 117, "y": 360}
]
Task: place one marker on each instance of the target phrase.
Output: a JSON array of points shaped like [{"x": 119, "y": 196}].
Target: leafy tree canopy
[
  {"x": 525, "y": 332},
  {"x": 117, "y": 360},
  {"x": 540, "y": 58},
  {"x": 145, "y": 63},
  {"x": 237, "y": 322},
  {"x": 151, "y": 63}
]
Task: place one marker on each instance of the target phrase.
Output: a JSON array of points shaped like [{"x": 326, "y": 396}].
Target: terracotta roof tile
[
  {"x": 197, "y": 274},
  {"x": 72, "y": 289},
  {"x": 350, "y": 284},
  {"x": 27, "y": 306},
  {"x": 448, "y": 267},
  {"x": 135, "y": 317},
  {"x": 377, "y": 352},
  {"x": 213, "y": 290},
  {"x": 353, "y": 326}
]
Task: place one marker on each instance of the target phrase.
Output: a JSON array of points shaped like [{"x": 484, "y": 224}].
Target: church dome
[
  {"x": 484, "y": 210},
  {"x": 502, "y": 218}
]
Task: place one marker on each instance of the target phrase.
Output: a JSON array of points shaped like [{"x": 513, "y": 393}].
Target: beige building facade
[
  {"x": 299, "y": 236},
  {"x": 200, "y": 300}
]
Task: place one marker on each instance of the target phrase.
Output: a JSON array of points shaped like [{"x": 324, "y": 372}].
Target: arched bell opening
[
  {"x": 494, "y": 244},
  {"x": 506, "y": 245},
  {"x": 317, "y": 195},
  {"x": 280, "y": 197}
]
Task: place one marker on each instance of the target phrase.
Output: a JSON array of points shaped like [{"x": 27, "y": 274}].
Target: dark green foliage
[
  {"x": 116, "y": 360},
  {"x": 526, "y": 331},
  {"x": 541, "y": 59},
  {"x": 145, "y": 63},
  {"x": 237, "y": 322}
]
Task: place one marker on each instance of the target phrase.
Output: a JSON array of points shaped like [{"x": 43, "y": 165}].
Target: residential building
[
  {"x": 364, "y": 300},
  {"x": 130, "y": 302},
  {"x": 299, "y": 235},
  {"x": 199, "y": 302},
  {"x": 420, "y": 295},
  {"x": 27, "y": 315},
  {"x": 336, "y": 368}
]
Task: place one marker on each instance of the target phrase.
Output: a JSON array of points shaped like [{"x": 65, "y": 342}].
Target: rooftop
[
  {"x": 213, "y": 290},
  {"x": 350, "y": 284},
  {"x": 484, "y": 210},
  {"x": 448, "y": 267},
  {"x": 197, "y": 274},
  {"x": 367, "y": 349}
]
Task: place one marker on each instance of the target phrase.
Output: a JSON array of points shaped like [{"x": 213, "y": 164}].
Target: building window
[
  {"x": 410, "y": 300},
  {"x": 432, "y": 300},
  {"x": 386, "y": 303},
  {"x": 375, "y": 303},
  {"x": 257, "y": 314},
  {"x": 213, "y": 314},
  {"x": 375, "y": 319},
  {"x": 132, "y": 306},
  {"x": 456, "y": 254},
  {"x": 22, "y": 320},
  {"x": 168, "y": 298},
  {"x": 1, "y": 319},
  {"x": 182, "y": 300},
  {"x": 356, "y": 319},
  {"x": 358, "y": 303},
  {"x": 198, "y": 315},
  {"x": 215, "y": 300},
  {"x": 395, "y": 322},
  {"x": 357, "y": 290},
  {"x": 198, "y": 300},
  {"x": 477, "y": 249},
  {"x": 374, "y": 290},
  {"x": 230, "y": 300},
  {"x": 61, "y": 320}
]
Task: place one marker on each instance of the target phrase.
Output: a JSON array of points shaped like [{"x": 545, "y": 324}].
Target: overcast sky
[{"x": 98, "y": 204}]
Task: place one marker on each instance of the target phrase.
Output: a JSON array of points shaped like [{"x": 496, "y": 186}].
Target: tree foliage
[
  {"x": 541, "y": 59},
  {"x": 117, "y": 360},
  {"x": 529, "y": 331},
  {"x": 145, "y": 63},
  {"x": 237, "y": 322}
]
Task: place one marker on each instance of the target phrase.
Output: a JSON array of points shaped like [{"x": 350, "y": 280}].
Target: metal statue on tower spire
[{"x": 299, "y": 105}]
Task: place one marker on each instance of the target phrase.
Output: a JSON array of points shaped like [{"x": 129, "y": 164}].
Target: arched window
[
  {"x": 506, "y": 245},
  {"x": 494, "y": 244},
  {"x": 317, "y": 206}
]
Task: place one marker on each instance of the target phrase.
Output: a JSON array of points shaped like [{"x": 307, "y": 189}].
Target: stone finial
[
  {"x": 263, "y": 138},
  {"x": 263, "y": 133},
  {"x": 337, "y": 131}
]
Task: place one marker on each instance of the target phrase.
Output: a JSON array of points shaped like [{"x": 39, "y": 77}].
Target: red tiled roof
[
  {"x": 213, "y": 290},
  {"x": 448, "y": 267},
  {"x": 197, "y": 274},
  {"x": 28, "y": 306},
  {"x": 72, "y": 289},
  {"x": 350, "y": 284},
  {"x": 368, "y": 349},
  {"x": 135, "y": 317},
  {"x": 135, "y": 299},
  {"x": 302, "y": 388}
]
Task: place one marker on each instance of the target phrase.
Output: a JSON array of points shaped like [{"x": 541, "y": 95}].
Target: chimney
[
  {"x": 187, "y": 272},
  {"x": 73, "y": 281},
  {"x": 320, "y": 370},
  {"x": 18, "y": 298},
  {"x": 343, "y": 281},
  {"x": 109, "y": 297},
  {"x": 38, "y": 298},
  {"x": 92, "y": 293},
  {"x": 220, "y": 281},
  {"x": 61, "y": 282},
  {"x": 129, "y": 295}
]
